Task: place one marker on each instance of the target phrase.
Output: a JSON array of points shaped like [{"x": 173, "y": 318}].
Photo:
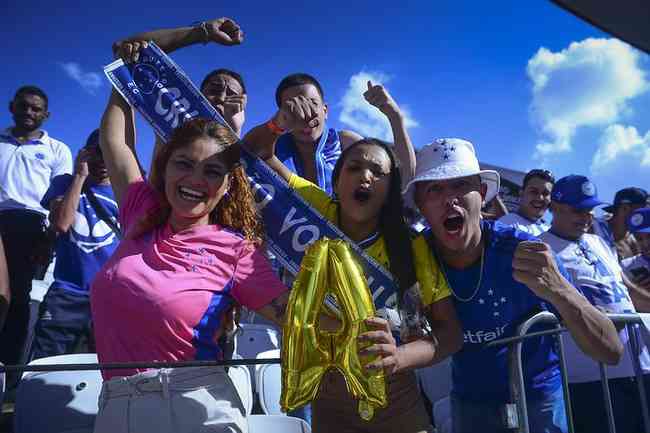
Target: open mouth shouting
[
  {"x": 362, "y": 195},
  {"x": 190, "y": 194},
  {"x": 453, "y": 223}
]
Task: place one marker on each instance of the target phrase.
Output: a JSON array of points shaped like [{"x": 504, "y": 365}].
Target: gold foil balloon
[{"x": 309, "y": 352}]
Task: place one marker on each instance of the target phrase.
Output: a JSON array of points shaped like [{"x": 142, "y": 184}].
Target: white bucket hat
[{"x": 449, "y": 158}]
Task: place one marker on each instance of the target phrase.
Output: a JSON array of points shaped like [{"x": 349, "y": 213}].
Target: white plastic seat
[
  {"x": 241, "y": 378},
  {"x": 268, "y": 354},
  {"x": 269, "y": 388},
  {"x": 58, "y": 401},
  {"x": 253, "y": 339},
  {"x": 276, "y": 424},
  {"x": 269, "y": 384}
]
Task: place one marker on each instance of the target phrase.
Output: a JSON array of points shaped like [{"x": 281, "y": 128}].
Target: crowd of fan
[{"x": 156, "y": 268}]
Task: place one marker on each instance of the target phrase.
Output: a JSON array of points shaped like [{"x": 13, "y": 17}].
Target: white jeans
[{"x": 181, "y": 400}]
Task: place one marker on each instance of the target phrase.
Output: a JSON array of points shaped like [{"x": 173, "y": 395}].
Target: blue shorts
[{"x": 64, "y": 319}]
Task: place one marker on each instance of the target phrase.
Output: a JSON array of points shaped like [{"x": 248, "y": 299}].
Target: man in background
[
  {"x": 614, "y": 230},
  {"x": 534, "y": 202},
  {"x": 29, "y": 160},
  {"x": 304, "y": 143}
]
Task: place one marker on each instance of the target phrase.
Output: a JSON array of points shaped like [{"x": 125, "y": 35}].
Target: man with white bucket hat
[{"x": 499, "y": 276}]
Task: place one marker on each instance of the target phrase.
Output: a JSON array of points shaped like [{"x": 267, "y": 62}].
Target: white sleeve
[{"x": 63, "y": 161}]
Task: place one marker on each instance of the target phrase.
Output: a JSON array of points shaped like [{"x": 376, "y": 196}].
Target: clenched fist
[
  {"x": 378, "y": 96},
  {"x": 534, "y": 265},
  {"x": 296, "y": 113},
  {"x": 224, "y": 31}
]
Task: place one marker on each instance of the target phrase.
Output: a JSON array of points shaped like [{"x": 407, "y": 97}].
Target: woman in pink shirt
[{"x": 191, "y": 251}]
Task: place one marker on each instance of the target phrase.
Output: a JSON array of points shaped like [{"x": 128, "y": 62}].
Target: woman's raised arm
[{"x": 117, "y": 141}]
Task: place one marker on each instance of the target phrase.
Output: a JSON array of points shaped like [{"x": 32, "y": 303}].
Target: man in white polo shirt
[
  {"x": 535, "y": 199},
  {"x": 29, "y": 160},
  {"x": 595, "y": 271}
]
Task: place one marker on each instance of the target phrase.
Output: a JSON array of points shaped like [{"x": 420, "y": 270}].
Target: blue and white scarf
[
  {"x": 165, "y": 96},
  {"x": 326, "y": 154}
]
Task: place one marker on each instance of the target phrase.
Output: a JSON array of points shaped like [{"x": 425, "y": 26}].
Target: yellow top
[{"x": 433, "y": 284}]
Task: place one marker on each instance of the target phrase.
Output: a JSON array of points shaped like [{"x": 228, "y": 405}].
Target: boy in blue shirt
[
  {"x": 83, "y": 212},
  {"x": 499, "y": 276}
]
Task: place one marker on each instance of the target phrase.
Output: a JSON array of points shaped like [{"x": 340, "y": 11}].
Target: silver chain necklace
[{"x": 478, "y": 284}]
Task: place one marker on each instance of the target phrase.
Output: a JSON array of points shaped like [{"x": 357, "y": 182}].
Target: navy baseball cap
[
  {"x": 576, "y": 191},
  {"x": 632, "y": 195},
  {"x": 639, "y": 221}
]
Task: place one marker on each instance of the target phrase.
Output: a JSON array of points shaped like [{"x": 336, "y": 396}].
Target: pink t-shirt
[{"x": 161, "y": 297}]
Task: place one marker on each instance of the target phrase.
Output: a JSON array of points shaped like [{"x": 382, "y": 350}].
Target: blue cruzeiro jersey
[
  {"x": 493, "y": 311},
  {"x": 89, "y": 242}
]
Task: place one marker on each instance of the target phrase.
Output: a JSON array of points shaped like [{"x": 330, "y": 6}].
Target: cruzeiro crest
[
  {"x": 146, "y": 77},
  {"x": 588, "y": 189}
]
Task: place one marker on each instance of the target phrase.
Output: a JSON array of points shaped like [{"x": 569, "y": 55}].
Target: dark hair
[
  {"x": 93, "y": 139},
  {"x": 237, "y": 210},
  {"x": 223, "y": 71},
  {"x": 32, "y": 90},
  {"x": 293, "y": 80},
  {"x": 546, "y": 175},
  {"x": 392, "y": 224}
]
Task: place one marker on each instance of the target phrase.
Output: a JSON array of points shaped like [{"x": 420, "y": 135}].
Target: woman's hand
[
  {"x": 129, "y": 51},
  {"x": 382, "y": 344}
]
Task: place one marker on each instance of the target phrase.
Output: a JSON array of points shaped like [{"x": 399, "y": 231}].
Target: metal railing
[
  {"x": 517, "y": 410},
  {"x": 137, "y": 365}
]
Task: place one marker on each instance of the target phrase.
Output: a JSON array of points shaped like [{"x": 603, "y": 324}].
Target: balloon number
[{"x": 309, "y": 352}]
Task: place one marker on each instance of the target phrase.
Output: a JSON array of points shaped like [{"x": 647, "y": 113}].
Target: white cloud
[
  {"x": 362, "y": 117},
  {"x": 89, "y": 81},
  {"x": 590, "y": 83},
  {"x": 621, "y": 144}
]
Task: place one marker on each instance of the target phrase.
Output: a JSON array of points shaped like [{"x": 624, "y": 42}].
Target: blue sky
[{"x": 527, "y": 83}]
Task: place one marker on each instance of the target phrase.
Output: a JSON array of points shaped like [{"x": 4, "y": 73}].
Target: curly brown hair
[{"x": 235, "y": 210}]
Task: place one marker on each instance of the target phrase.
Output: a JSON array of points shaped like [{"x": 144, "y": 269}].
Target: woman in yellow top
[{"x": 367, "y": 207}]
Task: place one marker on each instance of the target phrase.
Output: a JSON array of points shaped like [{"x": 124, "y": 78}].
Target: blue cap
[
  {"x": 633, "y": 196},
  {"x": 639, "y": 221},
  {"x": 576, "y": 191}
]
